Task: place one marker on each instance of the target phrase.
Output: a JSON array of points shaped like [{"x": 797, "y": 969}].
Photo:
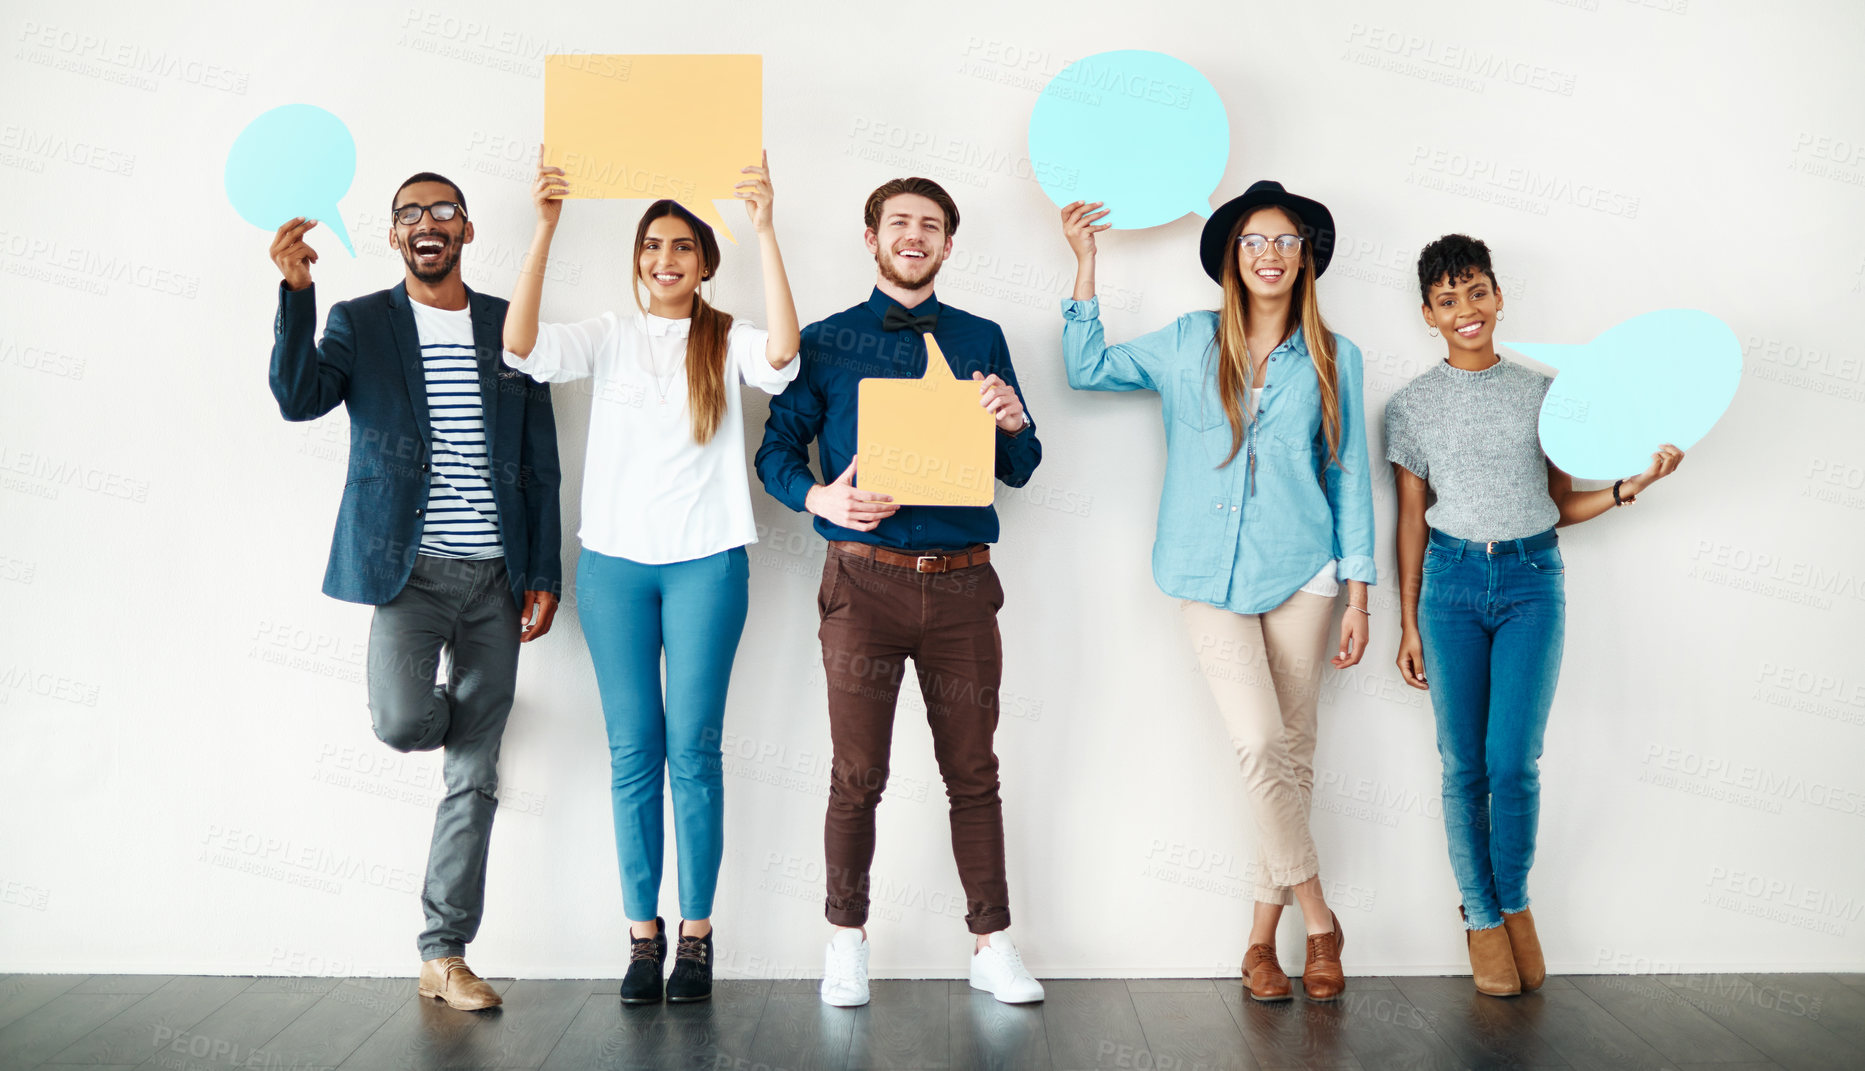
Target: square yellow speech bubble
[
  {"x": 653, "y": 126},
  {"x": 926, "y": 441}
]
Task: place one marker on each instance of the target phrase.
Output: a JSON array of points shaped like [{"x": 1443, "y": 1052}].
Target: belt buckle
[
  {"x": 919, "y": 566},
  {"x": 1492, "y": 546}
]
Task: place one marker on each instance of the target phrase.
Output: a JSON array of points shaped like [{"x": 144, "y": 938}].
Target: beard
[
  {"x": 884, "y": 259},
  {"x": 449, "y": 260}
]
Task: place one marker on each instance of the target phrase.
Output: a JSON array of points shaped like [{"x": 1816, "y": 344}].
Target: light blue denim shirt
[{"x": 1216, "y": 531}]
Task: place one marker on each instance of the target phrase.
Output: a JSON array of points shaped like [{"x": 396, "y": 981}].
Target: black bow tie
[{"x": 899, "y": 319}]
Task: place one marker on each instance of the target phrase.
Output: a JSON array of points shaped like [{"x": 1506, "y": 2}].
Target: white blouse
[{"x": 650, "y": 493}]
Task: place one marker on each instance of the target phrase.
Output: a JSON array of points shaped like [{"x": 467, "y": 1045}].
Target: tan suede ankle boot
[
  {"x": 1492, "y": 963},
  {"x": 1526, "y": 947}
]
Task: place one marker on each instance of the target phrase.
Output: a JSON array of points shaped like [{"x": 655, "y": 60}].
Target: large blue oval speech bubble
[
  {"x": 1141, "y": 131},
  {"x": 1664, "y": 377},
  {"x": 295, "y": 160}
]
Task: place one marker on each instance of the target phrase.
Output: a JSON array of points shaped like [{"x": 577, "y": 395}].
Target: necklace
[{"x": 662, "y": 383}]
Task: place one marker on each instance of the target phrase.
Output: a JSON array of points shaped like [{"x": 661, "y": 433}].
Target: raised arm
[
  {"x": 780, "y": 310},
  {"x": 308, "y": 378},
  {"x": 1577, "y": 506},
  {"x": 1090, "y": 362},
  {"x": 547, "y": 193}
]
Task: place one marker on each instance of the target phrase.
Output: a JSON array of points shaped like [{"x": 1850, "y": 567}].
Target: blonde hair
[{"x": 1233, "y": 352}]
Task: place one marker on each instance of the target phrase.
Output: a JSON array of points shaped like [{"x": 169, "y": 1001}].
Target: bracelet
[
  {"x": 1362, "y": 609},
  {"x": 1616, "y": 500}
]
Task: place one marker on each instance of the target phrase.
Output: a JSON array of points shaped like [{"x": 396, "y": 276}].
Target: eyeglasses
[
  {"x": 1254, "y": 244},
  {"x": 442, "y": 211}
]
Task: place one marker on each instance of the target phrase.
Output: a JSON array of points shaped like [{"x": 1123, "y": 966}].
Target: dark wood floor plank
[
  {"x": 607, "y": 1035},
  {"x": 798, "y": 1032},
  {"x": 906, "y": 1025},
  {"x": 1589, "y": 1037},
  {"x": 1384, "y": 1029},
  {"x": 341, "y": 1020},
  {"x": 1822, "y": 998},
  {"x": 135, "y": 1034},
  {"x": 709, "y": 1032},
  {"x": 124, "y": 983},
  {"x": 989, "y": 1035},
  {"x": 427, "y": 1034},
  {"x": 21, "y": 993},
  {"x": 50, "y": 1028},
  {"x": 1669, "y": 1021},
  {"x": 233, "y": 1036},
  {"x": 291, "y": 984},
  {"x": 1091, "y": 1023},
  {"x": 1191, "y": 1028},
  {"x": 1482, "y": 1031},
  {"x": 1295, "y": 1033},
  {"x": 1771, "y": 1018}
]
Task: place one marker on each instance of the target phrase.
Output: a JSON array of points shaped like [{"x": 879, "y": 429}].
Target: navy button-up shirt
[{"x": 837, "y": 354}]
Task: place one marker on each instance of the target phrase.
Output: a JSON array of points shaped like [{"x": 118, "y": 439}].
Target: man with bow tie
[{"x": 905, "y": 582}]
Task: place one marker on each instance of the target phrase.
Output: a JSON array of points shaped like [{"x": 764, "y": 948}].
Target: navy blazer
[{"x": 370, "y": 361}]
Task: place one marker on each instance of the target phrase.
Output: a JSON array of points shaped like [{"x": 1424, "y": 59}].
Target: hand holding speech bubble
[
  {"x": 926, "y": 441},
  {"x": 654, "y": 126},
  {"x": 295, "y": 160},
  {"x": 1663, "y": 377},
  {"x": 1142, "y": 132}
]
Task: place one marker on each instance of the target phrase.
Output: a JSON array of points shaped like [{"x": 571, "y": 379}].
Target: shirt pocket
[{"x": 1195, "y": 404}]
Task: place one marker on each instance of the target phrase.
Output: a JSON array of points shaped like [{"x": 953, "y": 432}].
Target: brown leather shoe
[
  {"x": 450, "y": 979},
  {"x": 1263, "y": 976},
  {"x": 1492, "y": 964},
  {"x": 1322, "y": 977},
  {"x": 1526, "y": 947}
]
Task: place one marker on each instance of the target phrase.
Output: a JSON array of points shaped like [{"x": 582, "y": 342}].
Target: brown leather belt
[{"x": 919, "y": 563}]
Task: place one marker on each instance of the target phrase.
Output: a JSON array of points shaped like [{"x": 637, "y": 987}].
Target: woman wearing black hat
[{"x": 1267, "y": 507}]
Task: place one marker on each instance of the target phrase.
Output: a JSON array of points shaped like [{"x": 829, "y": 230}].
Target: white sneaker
[
  {"x": 845, "y": 969},
  {"x": 998, "y": 970}
]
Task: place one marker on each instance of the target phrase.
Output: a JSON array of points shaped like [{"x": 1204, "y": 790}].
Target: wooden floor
[{"x": 1728, "y": 1022}]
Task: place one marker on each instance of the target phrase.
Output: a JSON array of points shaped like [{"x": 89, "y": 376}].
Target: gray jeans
[{"x": 464, "y": 608}]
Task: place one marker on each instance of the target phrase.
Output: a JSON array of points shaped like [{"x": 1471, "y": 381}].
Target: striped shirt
[{"x": 462, "y": 520}]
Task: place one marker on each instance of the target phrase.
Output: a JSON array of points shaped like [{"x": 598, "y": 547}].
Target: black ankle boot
[
  {"x": 692, "y": 969},
  {"x": 642, "y": 983}
]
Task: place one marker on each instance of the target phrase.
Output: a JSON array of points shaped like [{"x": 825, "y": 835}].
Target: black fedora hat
[{"x": 1313, "y": 217}]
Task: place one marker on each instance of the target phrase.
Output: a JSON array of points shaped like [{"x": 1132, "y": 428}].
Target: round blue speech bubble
[
  {"x": 1663, "y": 377},
  {"x": 1143, "y": 132},
  {"x": 295, "y": 160}
]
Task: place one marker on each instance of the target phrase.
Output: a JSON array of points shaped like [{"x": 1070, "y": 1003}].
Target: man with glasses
[{"x": 449, "y": 525}]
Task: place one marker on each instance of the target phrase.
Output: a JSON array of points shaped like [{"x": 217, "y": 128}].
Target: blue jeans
[
  {"x": 1492, "y": 618},
  {"x": 695, "y": 612}
]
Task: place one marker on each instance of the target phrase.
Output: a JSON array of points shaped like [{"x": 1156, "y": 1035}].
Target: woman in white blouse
[{"x": 666, "y": 517}]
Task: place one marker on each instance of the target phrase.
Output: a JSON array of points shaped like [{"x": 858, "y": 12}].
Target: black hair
[
  {"x": 1455, "y": 257},
  {"x": 429, "y": 176}
]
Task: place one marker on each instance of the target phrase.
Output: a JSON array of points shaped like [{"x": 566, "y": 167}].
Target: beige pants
[{"x": 1265, "y": 672}]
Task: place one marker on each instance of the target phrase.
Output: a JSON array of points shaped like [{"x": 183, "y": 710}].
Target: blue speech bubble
[
  {"x": 1142, "y": 132},
  {"x": 1663, "y": 377},
  {"x": 295, "y": 160}
]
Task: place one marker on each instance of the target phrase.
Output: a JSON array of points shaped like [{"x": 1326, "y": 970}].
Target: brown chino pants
[{"x": 874, "y": 617}]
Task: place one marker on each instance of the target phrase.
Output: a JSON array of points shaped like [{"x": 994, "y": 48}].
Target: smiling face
[
  {"x": 909, "y": 241},
  {"x": 1464, "y": 310},
  {"x": 1271, "y": 274},
  {"x": 670, "y": 263},
  {"x": 429, "y": 248}
]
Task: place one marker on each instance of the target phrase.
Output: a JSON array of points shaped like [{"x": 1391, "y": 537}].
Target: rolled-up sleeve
[
  {"x": 1092, "y": 364},
  {"x": 747, "y": 347},
  {"x": 565, "y": 352}
]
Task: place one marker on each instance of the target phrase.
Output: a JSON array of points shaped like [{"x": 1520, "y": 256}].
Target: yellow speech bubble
[
  {"x": 926, "y": 441},
  {"x": 653, "y": 126}
]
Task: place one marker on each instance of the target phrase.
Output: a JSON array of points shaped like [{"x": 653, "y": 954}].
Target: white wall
[{"x": 189, "y": 777}]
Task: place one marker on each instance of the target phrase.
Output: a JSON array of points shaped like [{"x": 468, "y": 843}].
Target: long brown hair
[
  {"x": 705, "y": 337},
  {"x": 1233, "y": 354}
]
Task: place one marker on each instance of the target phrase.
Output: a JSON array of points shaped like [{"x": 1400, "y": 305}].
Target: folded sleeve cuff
[
  {"x": 1357, "y": 567},
  {"x": 1081, "y": 310}
]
